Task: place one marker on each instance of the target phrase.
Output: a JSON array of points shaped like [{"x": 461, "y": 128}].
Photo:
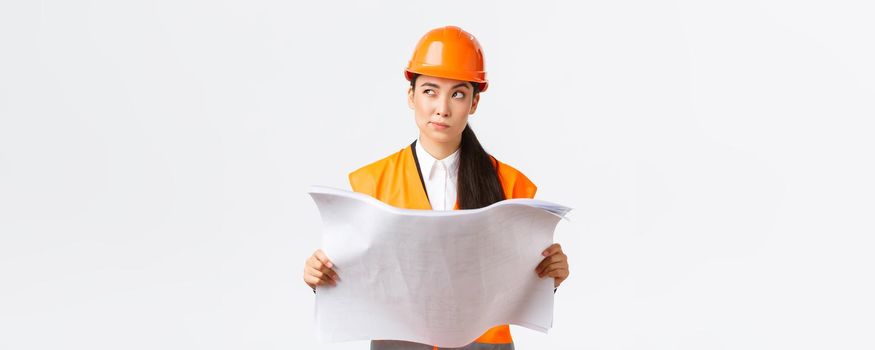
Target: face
[{"x": 442, "y": 107}]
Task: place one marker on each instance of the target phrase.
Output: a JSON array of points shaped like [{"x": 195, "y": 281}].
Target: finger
[
  {"x": 552, "y": 266},
  {"x": 549, "y": 260},
  {"x": 558, "y": 279},
  {"x": 315, "y": 272},
  {"x": 557, "y": 273},
  {"x": 330, "y": 273},
  {"x": 542, "y": 265},
  {"x": 313, "y": 262},
  {"x": 311, "y": 281},
  {"x": 552, "y": 249},
  {"x": 326, "y": 279},
  {"x": 323, "y": 277},
  {"x": 323, "y": 258}
]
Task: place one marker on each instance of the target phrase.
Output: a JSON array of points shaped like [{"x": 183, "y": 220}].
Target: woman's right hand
[{"x": 318, "y": 270}]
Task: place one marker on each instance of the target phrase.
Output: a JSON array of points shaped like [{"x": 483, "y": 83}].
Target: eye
[
  {"x": 429, "y": 92},
  {"x": 459, "y": 95}
]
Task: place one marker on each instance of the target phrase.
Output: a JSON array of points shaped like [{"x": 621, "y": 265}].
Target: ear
[
  {"x": 474, "y": 103},
  {"x": 410, "y": 98}
]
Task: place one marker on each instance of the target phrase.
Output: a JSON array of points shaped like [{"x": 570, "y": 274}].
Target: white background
[{"x": 154, "y": 158}]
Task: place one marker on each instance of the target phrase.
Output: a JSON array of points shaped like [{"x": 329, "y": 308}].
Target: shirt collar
[{"x": 427, "y": 162}]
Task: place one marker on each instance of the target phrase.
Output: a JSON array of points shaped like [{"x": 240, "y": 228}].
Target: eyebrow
[{"x": 436, "y": 86}]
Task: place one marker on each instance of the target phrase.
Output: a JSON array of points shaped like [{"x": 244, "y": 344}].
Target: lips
[{"x": 439, "y": 125}]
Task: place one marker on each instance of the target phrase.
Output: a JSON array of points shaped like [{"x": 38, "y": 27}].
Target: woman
[{"x": 446, "y": 167}]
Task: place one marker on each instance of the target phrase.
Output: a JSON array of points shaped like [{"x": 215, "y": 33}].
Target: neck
[{"x": 440, "y": 150}]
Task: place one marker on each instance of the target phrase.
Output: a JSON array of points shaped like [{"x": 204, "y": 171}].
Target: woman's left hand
[{"x": 555, "y": 264}]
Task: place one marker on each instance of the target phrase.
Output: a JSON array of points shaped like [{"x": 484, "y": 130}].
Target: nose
[{"x": 443, "y": 108}]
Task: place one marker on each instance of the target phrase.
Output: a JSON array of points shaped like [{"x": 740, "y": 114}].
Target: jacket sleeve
[
  {"x": 523, "y": 187},
  {"x": 514, "y": 183}
]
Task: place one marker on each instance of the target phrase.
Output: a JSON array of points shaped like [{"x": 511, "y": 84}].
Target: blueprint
[{"x": 436, "y": 277}]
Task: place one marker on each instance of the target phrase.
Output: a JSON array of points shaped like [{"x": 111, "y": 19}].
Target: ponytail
[{"x": 478, "y": 183}]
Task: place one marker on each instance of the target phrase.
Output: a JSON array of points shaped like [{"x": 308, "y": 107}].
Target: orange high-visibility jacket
[{"x": 396, "y": 180}]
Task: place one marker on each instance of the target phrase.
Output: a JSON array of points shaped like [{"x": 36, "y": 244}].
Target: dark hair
[{"x": 478, "y": 184}]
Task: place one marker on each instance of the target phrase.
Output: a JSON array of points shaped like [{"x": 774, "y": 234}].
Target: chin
[{"x": 442, "y": 136}]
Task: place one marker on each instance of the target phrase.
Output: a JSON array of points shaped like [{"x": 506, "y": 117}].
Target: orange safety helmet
[{"x": 448, "y": 52}]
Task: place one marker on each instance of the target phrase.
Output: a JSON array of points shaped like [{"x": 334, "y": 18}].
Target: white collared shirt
[{"x": 439, "y": 176}]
